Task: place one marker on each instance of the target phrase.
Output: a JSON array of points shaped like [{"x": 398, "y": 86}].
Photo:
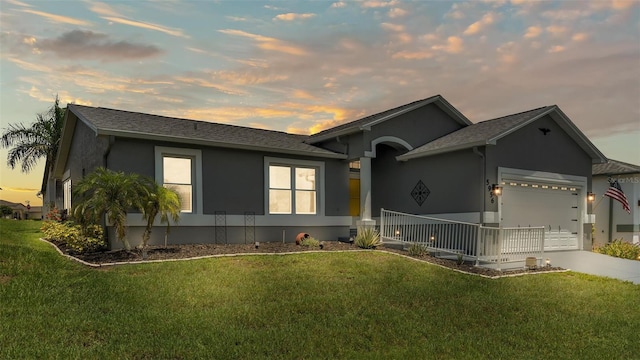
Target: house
[
  {"x": 242, "y": 184},
  {"x": 612, "y": 221},
  {"x": 22, "y": 212}
]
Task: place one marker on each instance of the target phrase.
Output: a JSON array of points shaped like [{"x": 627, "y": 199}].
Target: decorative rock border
[{"x": 137, "y": 262}]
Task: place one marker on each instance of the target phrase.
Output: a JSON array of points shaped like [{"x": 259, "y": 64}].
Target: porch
[{"x": 492, "y": 247}]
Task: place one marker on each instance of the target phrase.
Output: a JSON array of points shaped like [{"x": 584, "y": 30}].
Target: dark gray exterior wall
[
  {"x": 529, "y": 149},
  {"x": 453, "y": 179},
  {"x": 233, "y": 180}
]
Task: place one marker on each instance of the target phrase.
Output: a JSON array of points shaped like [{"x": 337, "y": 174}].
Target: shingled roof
[
  {"x": 490, "y": 131},
  {"x": 479, "y": 134},
  {"x": 615, "y": 167},
  {"x": 368, "y": 121},
  {"x": 145, "y": 126}
]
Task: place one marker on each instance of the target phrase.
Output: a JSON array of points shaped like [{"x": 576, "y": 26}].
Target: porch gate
[{"x": 487, "y": 246}]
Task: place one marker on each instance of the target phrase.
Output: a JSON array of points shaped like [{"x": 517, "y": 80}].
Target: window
[
  {"x": 293, "y": 189},
  {"x": 181, "y": 169},
  {"x": 177, "y": 175},
  {"x": 66, "y": 194}
]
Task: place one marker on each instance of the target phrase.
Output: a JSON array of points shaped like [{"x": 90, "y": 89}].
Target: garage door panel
[{"x": 555, "y": 209}]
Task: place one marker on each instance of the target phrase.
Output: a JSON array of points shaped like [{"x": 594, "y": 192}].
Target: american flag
[{"x": 615, "y": 192}]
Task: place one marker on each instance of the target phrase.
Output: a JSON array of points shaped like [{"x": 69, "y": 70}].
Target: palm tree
[
  {"x": 108, "y": 192},
  {"x": 163, "y": 201},
  {"x": 30, "y": 143}
]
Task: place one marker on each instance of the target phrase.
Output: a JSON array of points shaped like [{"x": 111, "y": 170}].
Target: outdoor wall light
[
  {"x": 547, "y": 262},
  {"x": 496, "y": 190},
  {"x": 591, "y": 196}
]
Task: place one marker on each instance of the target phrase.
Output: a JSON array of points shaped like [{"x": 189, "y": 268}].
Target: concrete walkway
[{"x": 596, "y": 264}]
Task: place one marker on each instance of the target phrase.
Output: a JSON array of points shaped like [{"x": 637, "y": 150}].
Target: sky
[{"x": 305, "y": 66}]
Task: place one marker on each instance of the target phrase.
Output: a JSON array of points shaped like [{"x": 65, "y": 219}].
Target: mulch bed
[{"x": 175, "y": 252}]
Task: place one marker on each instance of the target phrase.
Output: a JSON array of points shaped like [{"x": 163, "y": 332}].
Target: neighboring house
[
  {"x": 243, "y": 184},
  {"x": 612, "y": 221},
  {"x": 22, "y": 212}
]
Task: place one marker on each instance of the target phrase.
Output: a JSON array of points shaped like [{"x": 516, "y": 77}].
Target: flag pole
[{"x": 593, "y": 209}]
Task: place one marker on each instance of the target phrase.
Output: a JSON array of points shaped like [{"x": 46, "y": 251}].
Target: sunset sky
[{"x": 305, "y": 66}]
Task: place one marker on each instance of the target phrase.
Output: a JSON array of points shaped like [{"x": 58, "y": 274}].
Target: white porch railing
[{"x": 484, "y": 245}]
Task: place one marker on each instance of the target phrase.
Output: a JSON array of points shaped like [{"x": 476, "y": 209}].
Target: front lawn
[{"x": 320, "y": 305}]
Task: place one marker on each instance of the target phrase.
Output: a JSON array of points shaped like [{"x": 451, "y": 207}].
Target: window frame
[
  {"x": 196, "y": 173},
  {"x": 294, "y": 164}
]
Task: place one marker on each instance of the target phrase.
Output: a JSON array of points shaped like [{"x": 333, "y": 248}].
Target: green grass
[{"x": 320, "y": 305}]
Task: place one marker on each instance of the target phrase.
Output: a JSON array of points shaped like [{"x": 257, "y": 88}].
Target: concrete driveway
[{"x": 596, "y": 264}]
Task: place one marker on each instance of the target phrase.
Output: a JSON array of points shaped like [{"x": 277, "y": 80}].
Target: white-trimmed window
[
  {"x": 181, "y": 170},
  {"x": 66, "y": 194},
  {"x": 293, "y": 186}
]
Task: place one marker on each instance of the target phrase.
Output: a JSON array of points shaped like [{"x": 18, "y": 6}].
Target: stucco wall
[
  {"x": 453, "y": 179},
  {"x": 529, "y": 149}
]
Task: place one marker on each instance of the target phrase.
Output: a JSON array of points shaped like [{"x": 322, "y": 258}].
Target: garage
[{"x": 554, "y": 206}]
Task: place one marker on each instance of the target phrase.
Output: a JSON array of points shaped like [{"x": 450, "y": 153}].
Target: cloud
[
  {"x": 378, "y": 4},
  {"x": 556, "y": 30},
  {"x": 454, "y": 45},
  {"x": 91, "y": 45},
  {"x": 479, "y": 25},
  {"x": 412, "y": 55},
  {"x": 533, "y": 32},
  {"x": 392, "y": 27},
  {"x": 267, "y": 43},
  {"x": 293, "y": 16},
  {"x": 103, "y": 9},
  {"x": 148, "y": 26},
  {"x": 580, "y": 37},
  {"x": 339, "y": 4},
  {"x": 58, "y": 18},
  {"x": 556, "y": 49},
  {"x": 19, "y": 3},
  {"x": 397, "y": 12}
]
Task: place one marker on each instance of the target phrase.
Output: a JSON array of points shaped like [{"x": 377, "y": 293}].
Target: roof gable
[
  {"x": 367, "y": 122},
  {"x": 490, "y": 131}
]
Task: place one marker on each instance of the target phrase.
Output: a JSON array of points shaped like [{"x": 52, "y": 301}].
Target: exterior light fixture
[
  {"x": 397, "y": 232},
  {"x": 257, "y": 244},
  {"x": 496, "y": 190},
  {"x": 432, "y": 238},
  {"x": 547, "y": 262},
  {"x": 591, "y": 196}
]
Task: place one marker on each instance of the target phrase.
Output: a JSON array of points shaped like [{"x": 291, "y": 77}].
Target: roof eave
[
  {"x": 444, "y": 150},
  {"x": 145, "y": 136}
]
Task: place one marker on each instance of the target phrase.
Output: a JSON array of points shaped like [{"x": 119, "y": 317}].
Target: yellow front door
[{"x": 354, "y": 197}]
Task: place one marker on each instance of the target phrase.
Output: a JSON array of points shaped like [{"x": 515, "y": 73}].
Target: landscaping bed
[{"x": 176, "y": 252}]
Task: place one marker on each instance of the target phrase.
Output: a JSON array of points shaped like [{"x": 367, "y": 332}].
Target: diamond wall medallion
[{"x": 420, "y": 192}]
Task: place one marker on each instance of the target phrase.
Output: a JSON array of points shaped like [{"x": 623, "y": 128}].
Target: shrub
[
  {"x": 53, "y": 214},
  {"x": 416, "y": 249},
  {"x": 621, "y": 249},
  {"x": 310, "y": 242},
  {"x": 78, "y": 239},
  {"x": 367, "y": 238}
]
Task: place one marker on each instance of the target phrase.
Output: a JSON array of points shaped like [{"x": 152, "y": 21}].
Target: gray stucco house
[{"x": 244, "y": 184}]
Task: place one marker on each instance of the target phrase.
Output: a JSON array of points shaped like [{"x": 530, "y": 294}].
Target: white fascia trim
[
  {"x": 406, "y": 157},
  {"x": 541, "y": 176},
  {"x": 383, "y": 139},
  {"x": 320, "y": 188},
  {"x": 191, "y": 220},
  {"x": 196, "y": 154},
  {"x": 494, "y": 139},
  {"x": 368, "y": 126}
]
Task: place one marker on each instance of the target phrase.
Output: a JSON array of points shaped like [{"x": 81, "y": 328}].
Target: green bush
[
  {"x": 621, "y": 249},
  {"x": 416, "y": 249},
  {"x": 79, "y": 240},
  {"x": 367, "y": 238},
  {"x": 310, "y": 242}
]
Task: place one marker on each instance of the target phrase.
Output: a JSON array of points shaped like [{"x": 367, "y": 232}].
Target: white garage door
[{"x": 552, "y": 206}]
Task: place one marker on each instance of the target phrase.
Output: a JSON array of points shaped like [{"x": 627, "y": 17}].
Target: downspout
[
  {"x": 105, "y": 156},
  {"x": 484, "y": 165}
]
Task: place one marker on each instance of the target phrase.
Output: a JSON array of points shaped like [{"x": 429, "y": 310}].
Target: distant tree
[
  {"x": 5, "y": 210},
  {"x": 162, "y": 201},
  {"x": 28, "y": 144},
  {"x": 107, "y": 192}
]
